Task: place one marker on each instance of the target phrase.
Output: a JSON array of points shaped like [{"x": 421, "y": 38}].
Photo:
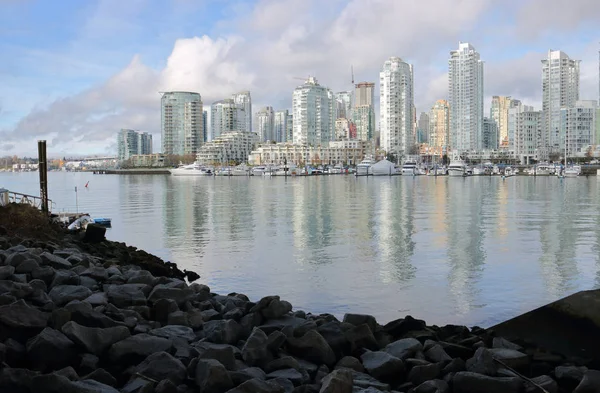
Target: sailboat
[{"x": 573, "y": 170}]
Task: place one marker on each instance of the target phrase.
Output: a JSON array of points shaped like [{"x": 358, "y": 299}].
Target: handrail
[{"x": 33, "y": 200}]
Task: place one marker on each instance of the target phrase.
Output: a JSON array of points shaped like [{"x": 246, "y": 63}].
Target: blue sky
[{"x": 74, "y": 72}]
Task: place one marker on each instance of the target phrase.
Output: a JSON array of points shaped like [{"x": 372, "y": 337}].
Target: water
[{"x": 472, "y": 251}]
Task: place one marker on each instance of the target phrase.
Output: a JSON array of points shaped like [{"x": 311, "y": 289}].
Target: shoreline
[{"x": 87, "y": 316}]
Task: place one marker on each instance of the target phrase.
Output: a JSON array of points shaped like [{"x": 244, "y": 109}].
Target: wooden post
[{"x": 43, "y": 170}]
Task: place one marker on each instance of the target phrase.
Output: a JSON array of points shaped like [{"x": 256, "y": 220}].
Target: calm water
[{"x": 449, "y": 250}]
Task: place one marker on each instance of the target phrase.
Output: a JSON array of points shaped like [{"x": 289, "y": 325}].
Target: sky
[{"x": 75, "y": 72}]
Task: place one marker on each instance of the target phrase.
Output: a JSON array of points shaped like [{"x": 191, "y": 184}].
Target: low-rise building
[
  {"x": 349, "y": 152},
  {"x": 156, "y": 160},
  {"x": 228, "y": 148}
]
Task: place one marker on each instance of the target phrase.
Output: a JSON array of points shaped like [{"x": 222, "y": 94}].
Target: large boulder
[
  {"x": 224, "y": 353},
  {"x": 468, "y": 382},
  {"x": 126, "y": 295},
  {"x": 404, "y": 348},
  {"x": 138, "y": 347},
  {"x": 339, "y": 381},
  {"x": 255, "y": 385},
  {"x": 276, "y": 308},
  {"x": 16, "y": 289},
  {"x": 50, "y": 350},
  {"x": 94, "y": 340},
  {"x": 21, "y": 316},
  {"x": 174, "y": 331},
  {"x": 161, "y": 365},
  {"x": 312, "y": 347},
  {"x": 255, "y": 351},
  {"x": 63, "y": 294},
  {"x": 359, "y": 319},
  {"x": 482, "y": 362},
  {"x": 163, "y": 291},
  {"x": 511, "y": 357},
  {"x": 224, "y": 331},
  {"x": 55, "y": 261},
  {"x": 590, "y": 383},
  {"x": 84, "y": 314},
  {"x": 212, "y": 377},
  {"x": 383, "y": 366}
]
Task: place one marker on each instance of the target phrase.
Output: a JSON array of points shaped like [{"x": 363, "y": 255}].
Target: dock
[{"x": 130, "y": 172}]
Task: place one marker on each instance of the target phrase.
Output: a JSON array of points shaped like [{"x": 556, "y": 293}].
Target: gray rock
[
  {"x": 51, "y": 383},
  {"x": 283, "y": 363},
  {"x": 6, "y": 272},
  {"x": 321, "y": 373},
  {"x": 590, "y": 383},
  {"x": 16, "y": 380},
  {"x": 68, "y": 372},
  {"x": 275, "y": 340},
  {"x": 223, "y": 353},
  {"x": 88, "y": 363},
  {"x": 50, "y": 350},
  {"x": 499, "y": 342},
  {"x": 97, "y": 299},
  {"x": 161, "y": 365},
  {"x": 98, "y": 273},
  {"x": 16, "y": 258},
  {"x": 16, "y": 289},
  {"x": 404, "y": 348},
  {"x": 172, "y": 331},
  {"x": 286, "y": 384},
  {"x": 63, "y": 294},
  {"x": 91, "y": 386},
  {"x": 195, "y": 319},
  {"x": 102, "y": 376},
  {"x": 94, "y": 340},
  {"x": 222, "y": 331},
  {"x": 163, "y": 307},
  {"x": 454, "y": 366},
  {"x": 255, "y": 350},
  {"x": 312, "y": 347},
  {"x": 468, "y": 382},
  {"x": 165, "y": 386},
  {"x": 27, "y": 266},
  {"x": 38, "y": 284},
  {"x": 350, "y": 362},
  {"x": 162, "y": 291},
  {"x": 138, "y": 385},
  {"x": 257, "y": 386},
  {"x": 571, "y": 373},
  {"x": 84, "y": 314},
  {"x": 365, "y": 381},
  {"x": 512, "y": 358},
  {"x": 138, "y": 346},
  {"x": 20, "y": 315},
  {"x": 293, "y": 375},
  {"x": 382, "y": 365},
  {"x": 246, "y": 374},
  {"x": 44, "y": 273},
  {"x": 276, "y": 309},
  {"x": 437, "y": 354},
  {"x": 64, "y": 277},
  {"x": 55, "y": 261},
  {"x": 420, "y": 374},
  {"x": 126, "y": 295},
  {"x": 141, "y": 277},
  {"x": 359, "y": 319},
  {"x": 88, "y": 282},
  {"x": 433, "y": 386},
  {"x": 339, "y": 381},
  {"x": 210, "y": 315},
  {"x": 482, "y": 363},
  {"x": 544, "y": 381},
  {"x": 212, "y": 377}
]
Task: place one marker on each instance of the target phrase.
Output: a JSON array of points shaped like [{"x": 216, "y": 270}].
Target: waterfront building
[
  {"x": 225, "y": 116},
  {"x": 465, "y": 76},
  {"x": 396, "y": 106},
  {"x": 155, "y": 160},
  {"x": 514, "y": 119},
  {"x": 182, "y": 122},
  {"x": 205, "y": 128},
  {"x": 280, "y": 125},
  {"x": 131, "y": 142},
  {"x": 439, "y": 128},
  {"x": 578, "y": 126},
  {"x": 560, "y": 89},
  {"x": 528, "y": 135},
  {"x": 364, "y": 93},
  {"x": 265, "y": 121},
  {"x": 244, "y": 103},
  {"x": 231, "y": 147},
  {"x": 423, "y": 128},
  {"x": 343, "y": 105},
  {"x": 289, "y": 128},
  {"x": 342, "y": 129},
  {"x": 499, "y": 113},
  {"x": 363, "y": 113},
  {"x": 348, "y": 152},
  {"x": 490, "y": 134},
  {"x": 314, "y": 113}
]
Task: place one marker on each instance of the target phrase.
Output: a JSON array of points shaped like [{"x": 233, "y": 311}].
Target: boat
[
  {"x": 287, "y": 170},
  {"x": 542, "y": 169},
  {"x": 508, "y": 172},
  {"x": 572, "y": 171},
  {"x": 410, "y": 168},
  {"x": 80, "y": 223},
  {"x": 363, "y": 168},
  {"x": 102, "y": 221},
  {"x": 384, "y": 168},
  {"x": 194, "y": 169},
  {"x": 457, "y": 167}
]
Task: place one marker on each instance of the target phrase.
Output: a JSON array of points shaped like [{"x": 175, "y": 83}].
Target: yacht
[
  {"x": 194, "y": 169},
  {"x": 542, "y": 169},
  {"x": 572, "y": 171},
  {"x": 289, "y": 170},
  {"x": 509, "y": 171},
  {"x": 410, "y": 168},
  {"x": 363, "y": 169},
  {"x": 457, "y": 167}
]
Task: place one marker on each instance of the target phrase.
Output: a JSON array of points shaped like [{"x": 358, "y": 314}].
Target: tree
[
  {"x": 589, "y": 153},
  {"x": 392, "y": 157},
  {"x": 554, "y": 156},
  {"x": 445, "y": 160}
]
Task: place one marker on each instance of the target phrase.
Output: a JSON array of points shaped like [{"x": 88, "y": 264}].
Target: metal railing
[{"x": 35, "y": 201}]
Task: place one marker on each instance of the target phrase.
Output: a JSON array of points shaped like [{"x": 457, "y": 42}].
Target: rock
[
  {"x": 321, "y": 373},
  {"x": 512, "y": 358},
  {"x": 469, "y": 382},
  {"x": 456, "y": 350},
  {"x": 55, "y": 261},
  {"x": 138, "y": 385},
  {"x": 91, "y": 386},
  {"x": 51, "y": 383},
  {"x": 293, "y": 375},
  {"x": 38, "y": 284},
  {"x": 382, "y": 365},
  {"x": 16, "y": 380},
  {"x": 544, "y": 381},
  {"x": 437, "y": 354},
  {"x": 365, "y": 381},
  {"x": 136, "y": 347},
  {"x": 50, "y": 350},
  {"x": 276, "y": 309},
  {"x": 98, "y": 273},
  {"x": 339, "y": 381},
  {"x": 94, "y": 340},
  {"x": 359, "y": 319},
  {"x": 454, "y": 366},
  {"x": 400, "y": 327},
  {"x": 68, "y": 372},
  {"x": 27, "y": 267},
  {"x": 224, "y": 353},
  {"x": 255, "y": 351},
  {"x": 16, "y": 289},
  {"x": 63, "y": 294},
  {"x": 404, "y": 348},
  {"x": 312, "y": 347},
  {"x": 257, "y": 386},
  {"x": 44, "y": 273},
  {"x": 6, "y": 272},
  {"x": 163, "y": 307},
  {"x": 283, "y": 363},
  {"x": 165, "y": 386},
  {"x": 102, "y": 376},
  {"x": 351, "y": 363},
  {"x": 246, "y": 374},
  {"x": 275, "y": 340},
  {"x": 88, "y": 363},
  {"x": 499, "y": 342},
  {"x": 361, "y": 337},
  {"x": 172, "y": 331},
  {"x": 64, "y": 277},
  {"x": 571, "y": 373},
  {"x": 482, "y": 363},
  {"x": 20, "y": 315},
  {"x": 420, "y": 374},
  {"x": 433, "y": 386},
  {"x": 94, "y": 234},
  {"x": 126, "y": 295},
  {"x": 212, "y": 377},
  {"x": 14, "y": 259},
  {"x": 590, "y": 383},
  {"x": 97, "y": 299},
  {"x": 161, "y": 365},
  {"x": 161, "y": 291},
  {"x": 85, "y": 315},
  {"x": 222, "y": 331},
  {"x": 141, "y": 277},
  {"x": 208, "y": 315}
]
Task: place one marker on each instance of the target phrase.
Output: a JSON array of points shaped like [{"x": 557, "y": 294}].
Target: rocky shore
[{"x": 81, "y": 316}]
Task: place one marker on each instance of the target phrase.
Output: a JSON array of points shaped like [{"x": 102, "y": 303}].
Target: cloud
[{"x": 540, "y": 16}]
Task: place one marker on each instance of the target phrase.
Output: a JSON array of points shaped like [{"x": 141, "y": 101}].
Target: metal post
[
  {"x": 76, "y": 202},
  {"x": 43, "y": 171}
]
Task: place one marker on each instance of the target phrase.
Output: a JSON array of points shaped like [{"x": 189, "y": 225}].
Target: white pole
[{"x": 76, "y": 202}]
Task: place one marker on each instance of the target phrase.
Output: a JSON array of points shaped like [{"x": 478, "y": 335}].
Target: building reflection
[
  {"x": 466, "y": 258},
  {"x": 394, "y": 229},
  {"x": 501, "y": 208},
  {"x": 439, "y": 189}
]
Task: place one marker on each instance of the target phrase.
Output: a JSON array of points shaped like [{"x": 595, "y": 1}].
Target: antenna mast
[{"x": 352, "y": 72}]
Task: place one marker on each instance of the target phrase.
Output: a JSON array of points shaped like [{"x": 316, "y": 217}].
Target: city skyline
[{"x": 103, "y": 71}]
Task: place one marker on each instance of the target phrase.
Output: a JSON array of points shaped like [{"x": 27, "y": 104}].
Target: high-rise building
[
  {"x": 363, "y": 113},
  {"x": 560, "y": 89},
  {"x": 423, "y": 128},
  {"x": 364, "y": 93},
  {"x": 490, "y": 134},
  {"x": 289, "y": 128},
  {"x": 439, "y": 127},
  {"x": 396, "y": 106},
  {"x": 465, "y": 76},
  {"x": 244, "y": 103},
  {"x": 182, "y": 122},
  {"x": 578, "y": 126},
  {"x": 343, "y": 105},
  {"x": 205, "y": 128},
  {"x": 131, "y": 142},
  {"x": 342, "y": 129},
  {"x": 265, "y": 121},
  {"x": 499, "y": 113},
  {"x": 280, "y": 125},
  {"x": 514, "y": 118},
  {"x": 225, "y": 116},
  {"x": 314, "y": 113},
  {"x": 528, "y": 134}
]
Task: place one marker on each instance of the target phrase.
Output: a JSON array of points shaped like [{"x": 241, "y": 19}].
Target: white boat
[
  {"x": 509, "y": 171},
  {"x": 457, "y": 167},
  {"x": 572, "y": 171},
  {"x": 410, "y": 168},
  {"x": 542, "y": 169},
  {"x": 384, "y": 168},
  {"x": 363, "y": 168},
  {"x": 336, "y": 170},
  {"x": 289, "y": 170},
  {"x": 194, "y": 169},
  {"x": 262, "y": 169}
]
